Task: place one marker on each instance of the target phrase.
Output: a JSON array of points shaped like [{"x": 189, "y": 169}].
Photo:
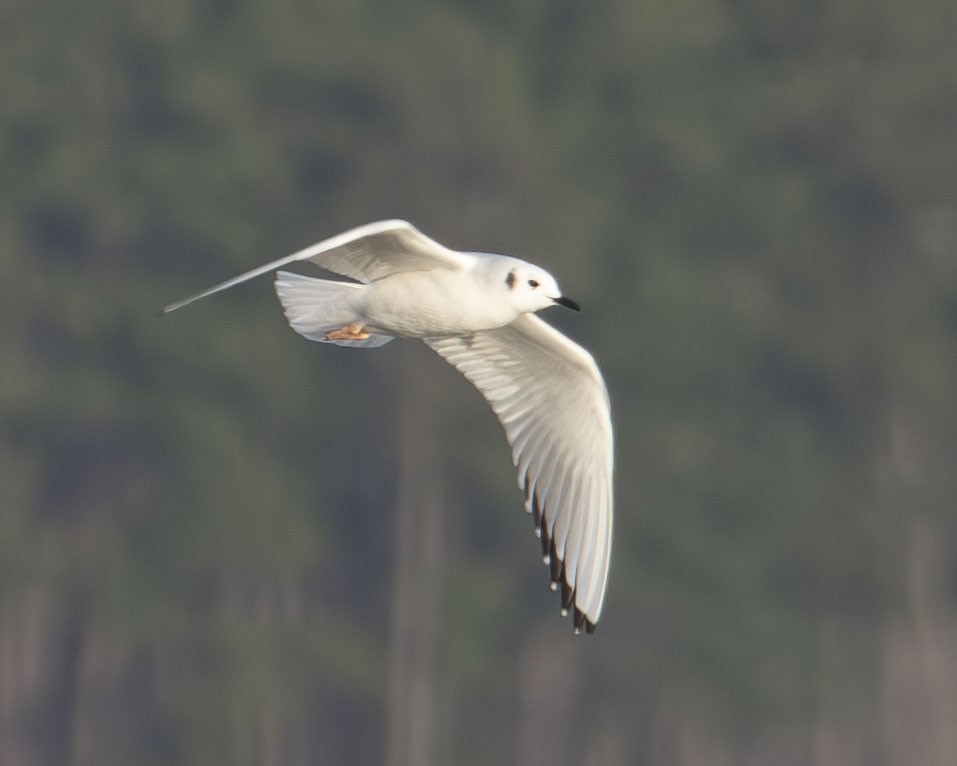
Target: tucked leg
[{"x": 354, "y": 331}]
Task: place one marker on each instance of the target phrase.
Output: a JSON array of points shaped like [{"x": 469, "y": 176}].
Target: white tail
[{"x": 316, "y": 307}]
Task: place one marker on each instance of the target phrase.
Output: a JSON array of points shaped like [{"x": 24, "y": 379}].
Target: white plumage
[{"x": 477, "y": 311}]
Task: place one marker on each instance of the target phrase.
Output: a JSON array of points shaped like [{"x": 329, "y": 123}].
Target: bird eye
[{"x": 533, "y": 283}]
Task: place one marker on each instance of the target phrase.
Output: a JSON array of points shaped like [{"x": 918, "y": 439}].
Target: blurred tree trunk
[
  {"x": 418, "y": 540},
  {"x": 40, "y": 647},
  {"x": 919, "y": 701},
  {"x": 549, "y": 683}
]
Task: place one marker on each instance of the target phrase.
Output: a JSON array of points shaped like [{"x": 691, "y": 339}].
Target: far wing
[
  {"x": 550, "y": 398},
  {"x": 366, "y": 253}
]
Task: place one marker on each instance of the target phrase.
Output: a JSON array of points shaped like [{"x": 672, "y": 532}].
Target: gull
[{"x": 477, "y": 311}]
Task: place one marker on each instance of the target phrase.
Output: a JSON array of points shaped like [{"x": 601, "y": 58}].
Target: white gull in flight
[{"x": 477, "y": 311}]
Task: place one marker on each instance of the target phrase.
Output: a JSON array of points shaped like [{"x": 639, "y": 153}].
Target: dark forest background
[{"x": 222, "y": 544}]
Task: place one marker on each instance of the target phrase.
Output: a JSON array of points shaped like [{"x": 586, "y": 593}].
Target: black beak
[{"x": 567, "y": 302}]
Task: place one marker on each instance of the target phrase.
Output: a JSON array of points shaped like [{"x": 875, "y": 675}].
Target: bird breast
[{"x": 431, "y": 304}]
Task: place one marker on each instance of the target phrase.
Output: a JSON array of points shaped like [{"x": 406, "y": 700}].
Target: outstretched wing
[
  {"x": 552, "y": 402},
  {"x": 366, "y": 253}
]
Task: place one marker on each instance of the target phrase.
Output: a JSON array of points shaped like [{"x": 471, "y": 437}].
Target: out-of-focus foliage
[{"x": 756, "y": 204}]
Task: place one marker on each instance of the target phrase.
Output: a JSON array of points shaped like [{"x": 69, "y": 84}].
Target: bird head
[{"x": 531, "y": 288}]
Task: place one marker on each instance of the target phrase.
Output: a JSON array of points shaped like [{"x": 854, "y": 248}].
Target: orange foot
[{"x": 354, "y": 331}]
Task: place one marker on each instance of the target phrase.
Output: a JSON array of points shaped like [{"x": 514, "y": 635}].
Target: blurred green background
[{"x": 222, "y": 544}]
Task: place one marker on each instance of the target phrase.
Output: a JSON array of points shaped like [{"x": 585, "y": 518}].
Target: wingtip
[
  {"x": 582, "y": 623},
  {"x": 169, "y": 308},
  {"x": 557, "y": 580},
  {"x": 580, "y": 620}
]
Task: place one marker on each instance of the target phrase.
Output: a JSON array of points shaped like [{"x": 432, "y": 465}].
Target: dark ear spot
[{"x": 510, "y": 279}]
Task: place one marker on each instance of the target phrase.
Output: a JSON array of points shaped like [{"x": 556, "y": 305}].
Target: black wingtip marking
[
  {"x": 543, "y": 536},
  {"x": 582, "y": 622},
  {"x": 568, "y": 597},
  {"x": 557, "y": 566},
  {"x": 579, "y": 619}
]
